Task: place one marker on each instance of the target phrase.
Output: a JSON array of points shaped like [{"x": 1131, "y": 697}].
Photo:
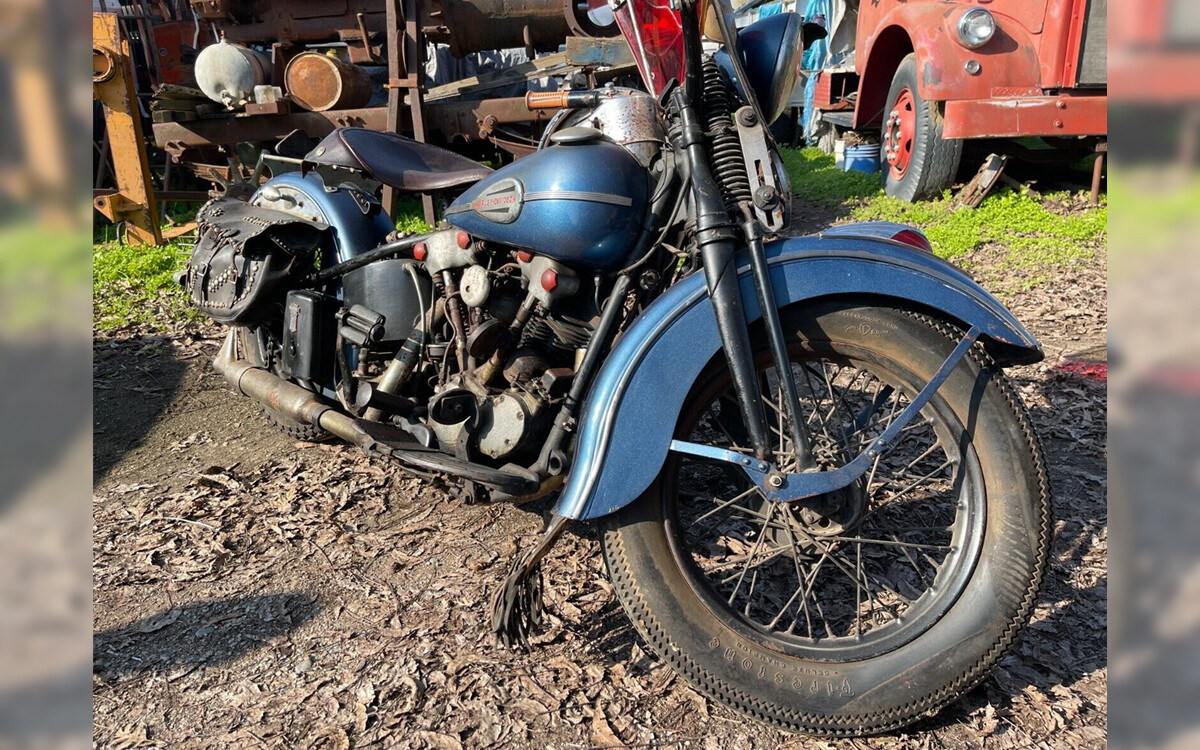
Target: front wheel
[{"x": 896, "y": 595}]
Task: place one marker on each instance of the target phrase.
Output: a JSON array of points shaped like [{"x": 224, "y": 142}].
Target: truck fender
[
  {"x": 629, "y": 415},
  {"x": 1009, "y": 62}
]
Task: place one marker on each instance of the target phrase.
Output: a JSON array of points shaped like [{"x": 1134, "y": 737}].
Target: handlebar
[{"x": 535, "y": 100}]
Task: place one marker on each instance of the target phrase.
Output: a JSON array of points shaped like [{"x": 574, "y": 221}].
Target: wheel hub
[
  {"x": 899, "y": 132},
  {"x": 834, "y": 514},
  {"x": 837, "y": 513}
]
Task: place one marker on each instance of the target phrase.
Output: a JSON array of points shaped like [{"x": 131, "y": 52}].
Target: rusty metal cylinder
[
  {"x": 479, "y": 25},
  {"x": 321, "y": 82}
]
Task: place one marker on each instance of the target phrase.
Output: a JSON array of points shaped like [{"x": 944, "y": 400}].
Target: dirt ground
[{"x": 251, "y": 591}]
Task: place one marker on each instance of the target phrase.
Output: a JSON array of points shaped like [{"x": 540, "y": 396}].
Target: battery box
[{"x": 309, "y": 335}]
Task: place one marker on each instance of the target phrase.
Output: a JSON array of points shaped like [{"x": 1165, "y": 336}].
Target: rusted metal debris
[{"x": 982, "y": 183}]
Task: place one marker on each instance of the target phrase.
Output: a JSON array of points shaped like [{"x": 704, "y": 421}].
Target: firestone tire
[
  {"x": 917, "y": 162},
  {"x": 750, "y": 673}
]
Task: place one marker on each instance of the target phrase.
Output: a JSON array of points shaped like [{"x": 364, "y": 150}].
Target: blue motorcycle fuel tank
[{"x": 581, "y": 203}]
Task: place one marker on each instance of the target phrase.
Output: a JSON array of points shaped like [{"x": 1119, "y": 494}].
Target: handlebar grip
[
  {"x": 546, "y": 99},
  {"x": 561, "y": 99}
]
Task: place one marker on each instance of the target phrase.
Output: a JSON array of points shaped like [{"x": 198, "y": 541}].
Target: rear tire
[
  {"x": 917, "y": 162},
  {"x": 843, "y": 685},
  {"x": 257, "y": 349}
]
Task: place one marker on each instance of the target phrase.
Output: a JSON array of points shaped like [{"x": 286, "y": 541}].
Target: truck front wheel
[{"x": 918, "y": 161}]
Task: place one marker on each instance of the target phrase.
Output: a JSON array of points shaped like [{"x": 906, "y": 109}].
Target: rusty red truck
[{"x": 926, "y": 75}]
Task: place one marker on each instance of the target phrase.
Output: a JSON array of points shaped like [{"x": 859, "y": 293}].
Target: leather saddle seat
[{"x": 402, "y": 163}]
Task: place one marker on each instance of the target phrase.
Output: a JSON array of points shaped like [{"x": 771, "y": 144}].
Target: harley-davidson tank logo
[{"x": 501, "y": 202}]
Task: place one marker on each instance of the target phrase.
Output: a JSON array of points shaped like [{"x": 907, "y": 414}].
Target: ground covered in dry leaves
[{"x": 251, "y": 591}]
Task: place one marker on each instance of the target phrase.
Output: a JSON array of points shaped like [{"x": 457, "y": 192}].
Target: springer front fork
[{"x": 717, "y": 238}]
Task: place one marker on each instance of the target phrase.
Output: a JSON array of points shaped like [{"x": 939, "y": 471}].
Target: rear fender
[
  {"x": 630, "y": 413},
  {"x": 358, "y": 221}
]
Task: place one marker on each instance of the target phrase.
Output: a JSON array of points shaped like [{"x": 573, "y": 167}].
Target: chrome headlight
[{"x": 976, "y": 28}]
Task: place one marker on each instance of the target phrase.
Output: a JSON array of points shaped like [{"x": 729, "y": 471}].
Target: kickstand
[{"x": 517, "y": 608}]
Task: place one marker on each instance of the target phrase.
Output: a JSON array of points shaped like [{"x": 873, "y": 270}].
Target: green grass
[
  {"x": 1157, "y": 210},
  {"x": 815, "y": 177},
  {"x": 133, "y": 284},
  {"x": 1034, "y": 230},
  {"x": 43, "y": 271},
  {"x": 410, "y": 217}
]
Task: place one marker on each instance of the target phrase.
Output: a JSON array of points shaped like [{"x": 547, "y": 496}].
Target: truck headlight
[{"x": 976, "y": 28}]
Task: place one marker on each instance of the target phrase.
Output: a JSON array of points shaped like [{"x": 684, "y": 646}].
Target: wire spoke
[
  {"x": 724, "y": 505},
  {"x": 862, "y": 561}
]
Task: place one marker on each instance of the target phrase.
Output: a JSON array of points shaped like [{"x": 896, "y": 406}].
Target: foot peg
[{"x": 517, "y": 607}]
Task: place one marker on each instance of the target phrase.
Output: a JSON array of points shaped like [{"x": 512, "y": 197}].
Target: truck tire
[
  {"x": 917, "y": 161},
  {"x": 810, "y": 662}
]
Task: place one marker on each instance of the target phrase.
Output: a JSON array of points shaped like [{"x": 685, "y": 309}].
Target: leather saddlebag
[{"x": 245, "y": 257}]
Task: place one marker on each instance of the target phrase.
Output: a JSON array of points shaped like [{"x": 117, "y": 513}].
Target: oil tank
[
  {"x": 578, "y": 202},
  {"x": 227, "y": 73}
]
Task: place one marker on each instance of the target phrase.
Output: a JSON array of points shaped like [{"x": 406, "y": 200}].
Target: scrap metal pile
[{"x": 214, "y": 83}]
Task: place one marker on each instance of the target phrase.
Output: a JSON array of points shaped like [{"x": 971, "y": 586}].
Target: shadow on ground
[
  {"x": 199, "y": 634},
  {"x": 45, "y": 402},
  {"x": 133, "y": 382}
]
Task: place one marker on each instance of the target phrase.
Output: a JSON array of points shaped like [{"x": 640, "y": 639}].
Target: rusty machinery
[
  {"x": 287, "y": 80},
  {"x": 133, "y": 200}
]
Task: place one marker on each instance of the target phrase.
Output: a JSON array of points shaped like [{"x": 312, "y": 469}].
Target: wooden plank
[
  {"x": 540, "y": 67},
  {"x": 982, "y": 183}
]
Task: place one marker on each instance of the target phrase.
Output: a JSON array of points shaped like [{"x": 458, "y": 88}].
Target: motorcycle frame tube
[{"x": 629, "y": 416}]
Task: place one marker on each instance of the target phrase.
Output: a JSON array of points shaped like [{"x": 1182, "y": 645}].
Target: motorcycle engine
[{"x": 500, "y": 408}]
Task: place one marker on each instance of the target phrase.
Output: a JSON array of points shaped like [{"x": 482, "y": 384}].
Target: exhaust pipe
[{"x": 284, "y": 397}]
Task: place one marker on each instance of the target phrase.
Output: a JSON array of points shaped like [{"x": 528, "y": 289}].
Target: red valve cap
[{"x": 549, "y": 279}]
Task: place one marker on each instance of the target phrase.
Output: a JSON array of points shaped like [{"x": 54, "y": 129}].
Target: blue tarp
[{"x": 814, "y": 58}]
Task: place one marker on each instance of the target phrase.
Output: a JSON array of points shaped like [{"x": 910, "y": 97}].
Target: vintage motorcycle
[{"x": 818, "y": 498}]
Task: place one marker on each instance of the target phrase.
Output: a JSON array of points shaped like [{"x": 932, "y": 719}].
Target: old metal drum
[{"x": 319, "y": 82}]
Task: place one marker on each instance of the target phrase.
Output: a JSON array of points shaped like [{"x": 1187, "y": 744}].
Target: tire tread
[{"x": 655, "y": 635}]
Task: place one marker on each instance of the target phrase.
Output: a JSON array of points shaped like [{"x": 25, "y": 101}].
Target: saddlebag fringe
[{"x": 517, "y": 608}]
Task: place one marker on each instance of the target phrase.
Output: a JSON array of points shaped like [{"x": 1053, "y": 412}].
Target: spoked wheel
[{"x": 878, "y": 603}]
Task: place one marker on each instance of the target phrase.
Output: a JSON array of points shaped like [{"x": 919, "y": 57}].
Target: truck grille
[{"x": 1093, "y": 52}]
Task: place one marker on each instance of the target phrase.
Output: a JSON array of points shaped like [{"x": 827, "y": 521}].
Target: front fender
[{"x": 630, "y": 413}]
